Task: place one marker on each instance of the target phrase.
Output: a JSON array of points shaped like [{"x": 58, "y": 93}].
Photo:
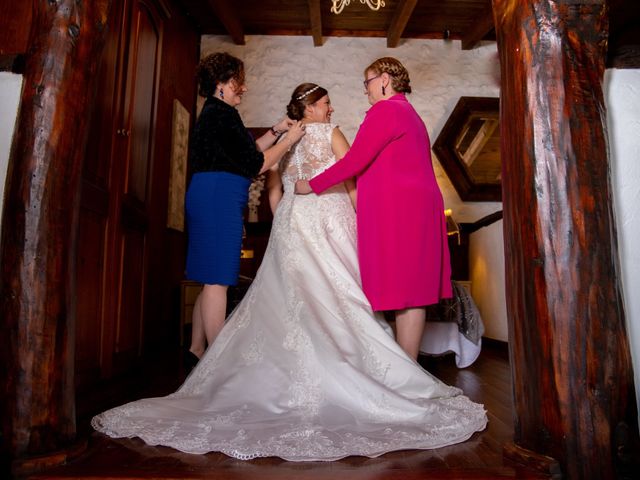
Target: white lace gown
[{"x": 303, "y": 369}]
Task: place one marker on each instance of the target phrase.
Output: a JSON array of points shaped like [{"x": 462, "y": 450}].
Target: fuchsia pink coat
[{"x": 402, "y": 237}]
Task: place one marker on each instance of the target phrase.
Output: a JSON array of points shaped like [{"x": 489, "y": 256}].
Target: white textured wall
[
  {"x": 622, "y": 95},
  {"x": 10, "y": 89}
]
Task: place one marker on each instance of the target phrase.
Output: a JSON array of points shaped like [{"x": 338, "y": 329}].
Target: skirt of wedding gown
[{"x": 303, "y": 369}]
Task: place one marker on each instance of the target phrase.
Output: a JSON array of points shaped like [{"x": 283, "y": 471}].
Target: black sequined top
[{"x": 221, "y": 143}]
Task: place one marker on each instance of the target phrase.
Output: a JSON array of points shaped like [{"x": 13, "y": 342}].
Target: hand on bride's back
[
  {"x": 302, "y": 187},
  {"x": 296, "y": 132}
]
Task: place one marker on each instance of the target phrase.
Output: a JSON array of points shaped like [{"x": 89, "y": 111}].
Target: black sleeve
[
  {"x": 220, "y": 142},
  {"x": 242, "y": 146}
]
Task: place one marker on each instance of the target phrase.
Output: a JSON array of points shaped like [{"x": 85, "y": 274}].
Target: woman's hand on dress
[
  {"x": 283, "y": 125},
  {"x": 302, "y": 187},
  {"x": 295, "y": 133}
]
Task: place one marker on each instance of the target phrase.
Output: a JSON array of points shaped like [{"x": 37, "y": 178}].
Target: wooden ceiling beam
[
  {"x": 401, "y": 16},
  {"x": 227, "y": 15},
  {"x": 480, "y": 28},
  {"x": 315, "y": 17}
]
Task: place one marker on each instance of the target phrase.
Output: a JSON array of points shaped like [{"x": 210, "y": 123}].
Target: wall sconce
[{"x": 452, "y": 226}]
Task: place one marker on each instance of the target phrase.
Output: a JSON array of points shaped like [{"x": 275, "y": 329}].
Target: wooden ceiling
[{"x": 470, "y": 21}]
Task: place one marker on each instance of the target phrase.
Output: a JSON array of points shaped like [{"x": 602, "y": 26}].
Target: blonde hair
[{"x": 399, "y": 76}]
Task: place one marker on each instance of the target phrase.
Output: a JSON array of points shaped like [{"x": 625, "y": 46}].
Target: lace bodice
[{"x": 310, "y": 156}]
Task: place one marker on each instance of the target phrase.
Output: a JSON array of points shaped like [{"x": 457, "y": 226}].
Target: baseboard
[{"x": 499, "y": 347}]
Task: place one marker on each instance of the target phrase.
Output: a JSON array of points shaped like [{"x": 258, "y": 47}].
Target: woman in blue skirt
[{"x": 223, "y": 158}]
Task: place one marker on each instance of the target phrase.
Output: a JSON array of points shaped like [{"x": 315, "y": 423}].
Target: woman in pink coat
[{"x": 402, "y": 239}]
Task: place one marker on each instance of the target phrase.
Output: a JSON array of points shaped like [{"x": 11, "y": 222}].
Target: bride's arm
[
  {"x": 340, "y": 147},
  {"x": 274, "y": 188}
]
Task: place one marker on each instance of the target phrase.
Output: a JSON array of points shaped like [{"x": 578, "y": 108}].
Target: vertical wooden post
[
  {"x": 570, "y": 357},
  {"x": 37, "y": 251}
]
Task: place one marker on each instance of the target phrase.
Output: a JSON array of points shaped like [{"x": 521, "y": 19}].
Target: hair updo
[
  {"x": 218, "y": 68},
  {"x": 391, "y": 66},
  {"x": 303, "y": 95}
]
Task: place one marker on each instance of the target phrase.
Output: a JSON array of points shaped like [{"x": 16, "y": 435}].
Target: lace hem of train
[{"x": 454, "y": 421}]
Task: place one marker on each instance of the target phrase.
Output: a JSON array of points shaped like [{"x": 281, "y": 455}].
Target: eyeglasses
[{"x": 366, "y": 82}]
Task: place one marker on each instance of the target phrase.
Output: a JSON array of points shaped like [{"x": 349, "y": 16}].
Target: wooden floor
[{"x": 487, "y": 382}]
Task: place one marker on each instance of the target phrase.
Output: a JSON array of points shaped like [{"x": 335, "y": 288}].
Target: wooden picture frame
[{"x": 178, "y": 162}]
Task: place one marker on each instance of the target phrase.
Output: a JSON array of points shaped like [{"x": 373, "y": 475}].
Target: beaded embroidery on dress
[{"x": 303, "y": 369}]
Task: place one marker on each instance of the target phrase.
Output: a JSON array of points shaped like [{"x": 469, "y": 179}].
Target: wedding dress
[{"x": 303, "y": 369}]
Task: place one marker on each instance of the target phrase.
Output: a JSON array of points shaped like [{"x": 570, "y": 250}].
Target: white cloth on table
[{"x": 443, "y": 337}]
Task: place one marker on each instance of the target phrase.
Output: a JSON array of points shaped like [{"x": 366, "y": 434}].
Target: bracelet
[{"x": 275, "y": 132}]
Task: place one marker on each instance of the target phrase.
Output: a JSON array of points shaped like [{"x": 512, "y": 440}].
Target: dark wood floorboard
[{"x": 487, "y": 381}]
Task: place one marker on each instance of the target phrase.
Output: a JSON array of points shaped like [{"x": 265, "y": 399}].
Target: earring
[
  {"x": 221, "y": 93},
  {"x": 383, "y": 92}
]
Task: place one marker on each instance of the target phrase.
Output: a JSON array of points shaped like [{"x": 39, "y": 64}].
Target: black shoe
[{"x": 189, "y": 360}]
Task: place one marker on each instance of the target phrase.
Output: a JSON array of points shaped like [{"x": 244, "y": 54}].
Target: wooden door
[
  {"x": 134, "y": 157},
  {"x": 114, "y": 216}
]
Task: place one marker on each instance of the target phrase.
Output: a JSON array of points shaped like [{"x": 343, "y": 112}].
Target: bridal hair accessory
[{"x": 308, "y": 92}]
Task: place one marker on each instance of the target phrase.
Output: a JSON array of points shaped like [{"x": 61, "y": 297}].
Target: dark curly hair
[
  {"x": 218, "y": 68},
  {"x": 399, "y": 76},
  {"x": 303, "y": 95}
]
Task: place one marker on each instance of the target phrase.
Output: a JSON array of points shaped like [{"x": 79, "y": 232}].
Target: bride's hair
[{"x": 303, "y": 95}]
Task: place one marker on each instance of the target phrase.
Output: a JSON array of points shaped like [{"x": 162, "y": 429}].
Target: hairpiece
[{"x": 308, "y": 92}]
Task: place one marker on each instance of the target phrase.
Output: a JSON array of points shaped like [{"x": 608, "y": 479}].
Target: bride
[{"x": 303, "y": 369}]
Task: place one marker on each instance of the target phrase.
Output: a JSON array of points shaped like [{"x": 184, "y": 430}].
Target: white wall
[
  {"x": 10, "y": 89},
  {"x": 622, "y": 96},
  {"x": 486, "y": 269}
]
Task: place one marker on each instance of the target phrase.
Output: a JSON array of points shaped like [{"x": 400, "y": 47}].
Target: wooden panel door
[
  {"x": 134, "y": 156},
  {"x": 114, "y": 215},
  {"x": 95, "y": 218}
]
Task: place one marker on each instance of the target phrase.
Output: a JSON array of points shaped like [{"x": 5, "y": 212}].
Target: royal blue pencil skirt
[{"x": 214, "y": 205}]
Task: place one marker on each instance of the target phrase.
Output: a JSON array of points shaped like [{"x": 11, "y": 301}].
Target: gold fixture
[
  {"x": 452, "y": 225},
  {"x": 338, "y": 5}
]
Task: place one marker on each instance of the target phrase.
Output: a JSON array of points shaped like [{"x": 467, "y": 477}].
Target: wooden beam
[
  {"x": 15, "y": 24},
  {"x": 624, "y": 34},
  {"x": 37, "y": 251},
  {"x": 626, "y": 56},
  {"x": 570, "y": 359},
  {"x": 227, "y": 15},
  {"x": 315, "y": 16},
  {"x": 479, "y": 30},
  {"x": 401, "y": 16}
]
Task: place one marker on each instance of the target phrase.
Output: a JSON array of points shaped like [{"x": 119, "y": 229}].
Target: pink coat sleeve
[{"x": 376, "y": 131}]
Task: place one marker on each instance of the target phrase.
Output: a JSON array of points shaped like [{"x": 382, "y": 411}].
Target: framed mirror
[{"x": 468, "y": 149}]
